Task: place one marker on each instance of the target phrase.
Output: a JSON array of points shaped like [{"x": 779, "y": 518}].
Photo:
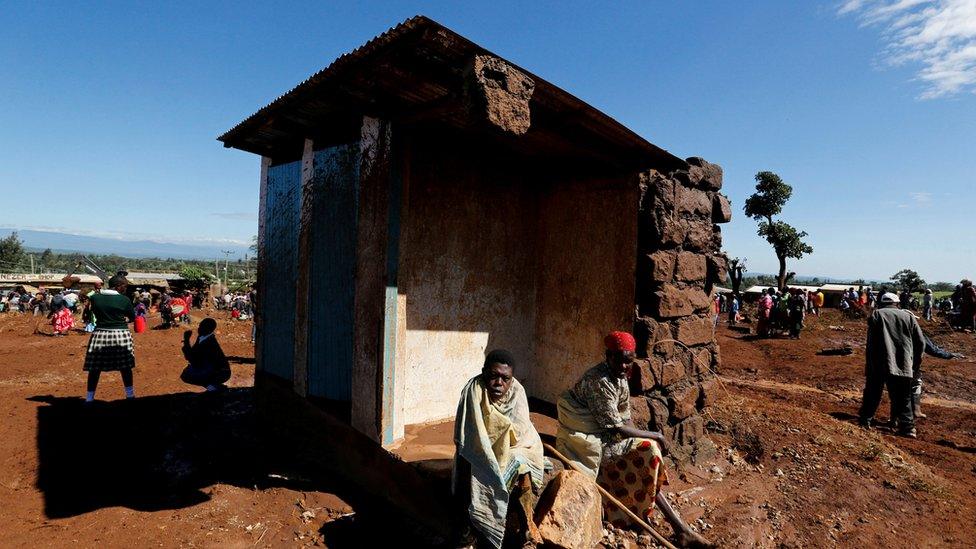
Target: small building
[
  {"x": 833, "y": 293},
  {"x": 423, "y": 201},
  {"x": 49, "y": 281},
  {"x": 158, "y": 281}
]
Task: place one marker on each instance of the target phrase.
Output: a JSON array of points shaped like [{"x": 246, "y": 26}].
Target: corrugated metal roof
[{"x": 417, "y": 65}]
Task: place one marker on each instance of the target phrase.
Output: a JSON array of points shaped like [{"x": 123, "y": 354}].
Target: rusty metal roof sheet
[{"x": 415, "y": 67}]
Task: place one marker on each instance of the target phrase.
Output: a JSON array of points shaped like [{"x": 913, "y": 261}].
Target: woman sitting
[
  {"x": 596, "y": 432},
  {"x": 499, "y": 453},
  {"x": 208, "y": 367}
]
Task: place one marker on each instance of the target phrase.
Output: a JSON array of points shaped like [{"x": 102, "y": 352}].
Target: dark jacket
[
  {"x": 206, "y": 356},
  {"x": 895, "y": 343}
]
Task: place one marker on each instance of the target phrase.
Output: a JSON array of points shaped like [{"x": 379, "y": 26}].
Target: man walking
[{"x": 895, "y": 344}]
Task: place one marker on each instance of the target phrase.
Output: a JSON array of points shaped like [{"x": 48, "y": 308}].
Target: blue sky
[{"x": 867, "y": 108}]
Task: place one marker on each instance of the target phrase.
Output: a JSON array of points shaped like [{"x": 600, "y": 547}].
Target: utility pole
[
  {"x": 32, "y": 263},
  {"x": 226, "y": 264}
]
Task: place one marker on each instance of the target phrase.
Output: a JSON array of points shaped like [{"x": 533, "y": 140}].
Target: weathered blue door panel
[
  {"x": 284, "y": 198},
  {"x": 332, "y": 270}
]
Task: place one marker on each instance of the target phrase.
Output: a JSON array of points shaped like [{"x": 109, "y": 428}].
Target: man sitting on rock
[
  {"x": 499, "y": 453},
  {"x": 597, "y": 434}
]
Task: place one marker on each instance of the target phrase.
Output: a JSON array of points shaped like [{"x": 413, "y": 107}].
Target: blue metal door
[
  {"x": 284, "y": 198},
  {"x": 332, "y": 270}
]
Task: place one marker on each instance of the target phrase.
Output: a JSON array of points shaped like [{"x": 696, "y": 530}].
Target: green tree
[
  {"x": 196, "y": 277},
  {"x": 47, "y": 258},
  {"x": 11, "y": 253},
  {"x": 771, "y": 195},
  {"x": 907, "y": 279}
]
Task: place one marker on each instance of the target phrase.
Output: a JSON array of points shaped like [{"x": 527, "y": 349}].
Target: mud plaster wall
[
  {"x": 497, "y": 256},
  {"x": 588, "y": 250},
  {"x": 467, "y": 272}
]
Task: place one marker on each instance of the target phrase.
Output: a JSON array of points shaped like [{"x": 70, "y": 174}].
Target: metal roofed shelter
[{"x": 422, "y": 201}]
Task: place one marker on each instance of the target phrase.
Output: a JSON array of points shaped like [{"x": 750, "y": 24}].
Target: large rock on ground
[{"x": 570, "y": 512}]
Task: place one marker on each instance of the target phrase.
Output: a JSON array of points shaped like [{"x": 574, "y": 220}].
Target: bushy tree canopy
[
  {"x": 771, "y": 195},
  {"x": 196, "y": 277},
  {"x": 907, "y": 279},
  {"x": 11, "y": 252}
]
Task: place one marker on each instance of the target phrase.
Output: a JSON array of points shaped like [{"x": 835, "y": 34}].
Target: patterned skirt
[
  {"x": 109, "y": 350},
  {"x": 634, "y": 477}
]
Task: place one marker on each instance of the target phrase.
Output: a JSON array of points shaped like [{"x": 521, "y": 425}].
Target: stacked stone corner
[{"x": 679, "y": 262}]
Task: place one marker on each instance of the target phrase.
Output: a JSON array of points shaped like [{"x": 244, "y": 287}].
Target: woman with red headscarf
[{"x": 597, "y": 433}]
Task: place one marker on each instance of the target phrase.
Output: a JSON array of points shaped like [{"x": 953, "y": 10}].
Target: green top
[{"x": 112, "y": 310}]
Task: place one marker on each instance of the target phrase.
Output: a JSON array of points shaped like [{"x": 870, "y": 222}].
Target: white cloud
[
  {"x": 921, "y": 198},
  {"x": 937, "y": 35}
]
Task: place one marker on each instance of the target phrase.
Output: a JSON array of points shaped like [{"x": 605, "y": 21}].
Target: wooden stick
[{"x": 660, "y": 539}]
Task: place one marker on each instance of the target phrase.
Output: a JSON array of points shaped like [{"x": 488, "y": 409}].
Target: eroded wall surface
[
  {"x": 587, "y": 251},
  {"x": 467, "y": 272},
  {"x": 497, "y": 256}
]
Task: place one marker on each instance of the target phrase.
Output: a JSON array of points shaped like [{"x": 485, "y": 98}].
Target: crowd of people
[
  {"x": 783, "y": 312},
  {"x": 240, "y": 304},
  {"x": 895, "y": 341},
  {"x": 110, "y": 347},
  {"x": 106, "y": 314}
]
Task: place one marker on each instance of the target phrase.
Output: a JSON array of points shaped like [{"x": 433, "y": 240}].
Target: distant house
[
  {"x": 48, "y": 280},
  {"x": 833, "y": 293}
]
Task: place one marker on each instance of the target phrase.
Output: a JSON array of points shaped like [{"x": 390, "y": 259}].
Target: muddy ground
[{"x": 180, "y": 468}]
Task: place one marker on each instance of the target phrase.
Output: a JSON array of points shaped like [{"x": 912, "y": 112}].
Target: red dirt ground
[
  {"x": 162, "y": 472},
  {"x": 177, "y": 468}
]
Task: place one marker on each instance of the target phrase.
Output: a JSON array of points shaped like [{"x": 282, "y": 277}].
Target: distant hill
[{"x": 74, "y": 243}]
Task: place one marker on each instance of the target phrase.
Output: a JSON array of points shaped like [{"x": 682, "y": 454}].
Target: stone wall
[{"x": 679, "y": 259}]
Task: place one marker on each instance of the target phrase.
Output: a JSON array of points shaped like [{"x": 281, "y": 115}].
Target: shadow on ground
[
  {"x": 164, "y": 452},
  {"x": 147, "y": 454}
]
